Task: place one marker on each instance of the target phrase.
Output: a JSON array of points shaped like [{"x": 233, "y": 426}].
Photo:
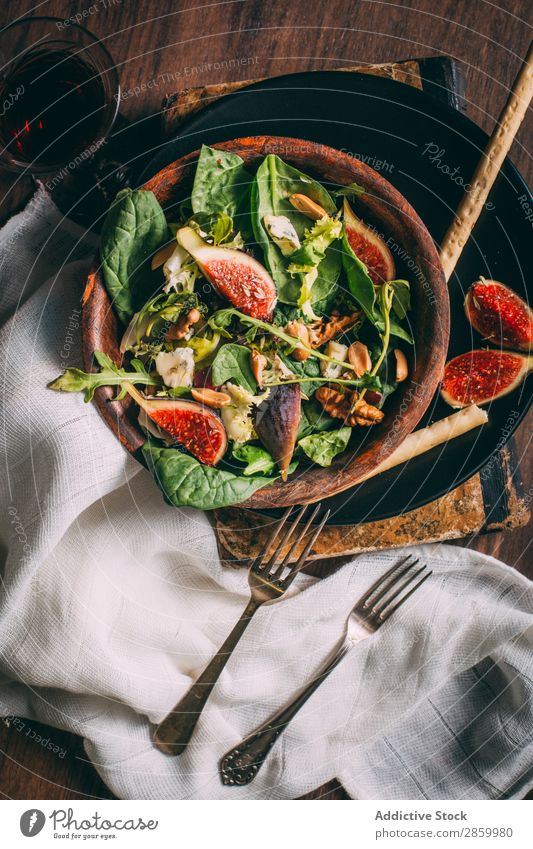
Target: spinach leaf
[
  {"x": 359, "y": 281},
  {"x": 257, "y": 459},
  {"x": 134, "y": 228},
  {"x": 274, "y": 182},
  {"x": 314, "y": 419},
  {"x": 322, "y": 448},
  {"x": 233, "y": 363},
  {"x": 186, "y": 482},
  {"x": 222, "y": 184}
]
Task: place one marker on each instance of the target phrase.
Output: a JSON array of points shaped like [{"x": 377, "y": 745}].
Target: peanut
[
  {"x": 359, "y": 357},
  {"x": 307, "y": 207},
  {"x": 258, "y": 363},
  {"x": 210, "y": 397},
  {"x": 402, "y": 369},
  {"x": 299, "y": 331}
]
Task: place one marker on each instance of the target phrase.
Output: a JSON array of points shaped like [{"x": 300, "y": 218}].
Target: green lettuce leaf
[
  {"x": 322, "y": 448},
  {"x": 258, "y": 460}
]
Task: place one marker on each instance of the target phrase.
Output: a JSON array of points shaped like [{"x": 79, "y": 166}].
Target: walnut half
[
  {"x": 346, "y": 405},
  {"x": 323, "y": 330}
]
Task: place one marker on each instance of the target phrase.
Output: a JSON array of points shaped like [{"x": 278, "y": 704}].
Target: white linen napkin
[{"x": 112, "y": 602}]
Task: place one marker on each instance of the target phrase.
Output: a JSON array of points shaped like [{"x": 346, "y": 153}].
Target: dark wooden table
[{"x": 162, "y": 45}]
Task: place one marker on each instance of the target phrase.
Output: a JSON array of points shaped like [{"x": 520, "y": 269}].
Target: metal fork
[
  {"x": 241, "y": 764},
  {"x": 266, "y": 584}
]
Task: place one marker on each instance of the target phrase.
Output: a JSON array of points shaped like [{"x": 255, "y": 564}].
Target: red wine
[{"x": 53, "y": 107}]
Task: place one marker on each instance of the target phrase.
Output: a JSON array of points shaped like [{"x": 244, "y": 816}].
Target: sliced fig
[
  {"x": 193, "y": 425},
  {"x": 276, "y": 422},
  {"x": 478, "y": 377},
  {"x": 235, "y": 275},
  {"x": 368, "y": 247},
  {"x": 499, "y": 314}
]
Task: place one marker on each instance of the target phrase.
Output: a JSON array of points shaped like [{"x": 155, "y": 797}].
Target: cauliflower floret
[
  {"x": 176, "y": 367},
  {"x": 237, "y": 416},
  {"x": 339, "y": 352}
]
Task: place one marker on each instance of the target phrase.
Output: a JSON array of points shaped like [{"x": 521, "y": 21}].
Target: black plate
[{"x": 391, "y": 127}]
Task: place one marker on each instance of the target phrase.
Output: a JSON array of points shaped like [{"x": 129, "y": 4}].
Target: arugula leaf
[
  {"x": 352, "y": 190},
  {"x": 322, "y": 448},
  {"x": 222, "y": 184},
  {"x": 222, "y": 319},
  {"x": 134, "y": 228},
  {"x": 257, "y": 459},
  {"x": 186, "y": 482},
  {"x": 274, "y": 182},
  {"x": 76, "y": 380},
  {"x": 232, "y": 363}
]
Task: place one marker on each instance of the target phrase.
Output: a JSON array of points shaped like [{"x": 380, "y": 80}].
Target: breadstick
[
  {"x": 429, "y": 437},
  {"x": 489, "y": 165}
]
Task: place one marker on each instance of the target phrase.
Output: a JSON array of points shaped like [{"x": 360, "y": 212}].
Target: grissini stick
[
  {"x": 489, "y": 165},
  {"x": 429, "y": 437}
]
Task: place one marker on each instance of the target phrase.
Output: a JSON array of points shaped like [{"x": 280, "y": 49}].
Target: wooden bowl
[{"x": 412, "y": 247}]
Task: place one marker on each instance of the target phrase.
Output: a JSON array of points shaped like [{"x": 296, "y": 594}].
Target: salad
[{"x": 262, "y": 326}]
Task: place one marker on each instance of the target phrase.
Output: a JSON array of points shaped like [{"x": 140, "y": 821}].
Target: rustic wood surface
[{"x": 160, "y": 46}]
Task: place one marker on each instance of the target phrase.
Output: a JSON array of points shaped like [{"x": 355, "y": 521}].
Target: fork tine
[
  {"x": 390, "y": 585},
  {"x": 265, "y": 569},
  {"x": 377, "y": 584},
  {"x": 279, "y": 569},
  {"x": 300, "y": 563},
  {"x": 397, "y": 590},
  {"x": 384, "y": 615},
  {"x": 261, "y": 557}
]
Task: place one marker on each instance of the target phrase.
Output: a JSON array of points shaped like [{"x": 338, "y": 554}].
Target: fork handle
[
  {"x": 241, "y": 764},
  {"x": 174, "y": 732}
]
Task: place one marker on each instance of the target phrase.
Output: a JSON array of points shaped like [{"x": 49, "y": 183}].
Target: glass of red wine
[{"x": 59, "y": 95}]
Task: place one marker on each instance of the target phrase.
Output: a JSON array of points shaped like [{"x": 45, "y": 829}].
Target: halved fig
[
  {"x": 276, "y": 422},
  {"x": 193, "y": 425},
  {"x": 368, "y": 247},
  {"x": 499, "y": 314},
  {"x": 478, "y": 377},
  {"x": 235, "y": 275}
]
